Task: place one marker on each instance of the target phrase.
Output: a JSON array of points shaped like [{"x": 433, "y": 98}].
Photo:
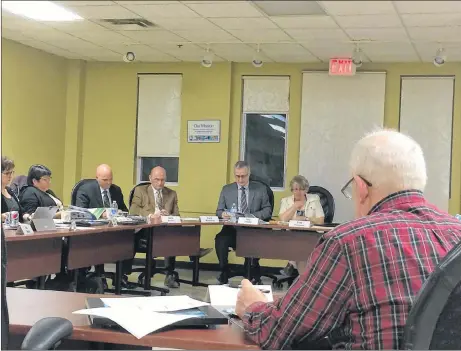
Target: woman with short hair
[{"x": 10, "y": 202}]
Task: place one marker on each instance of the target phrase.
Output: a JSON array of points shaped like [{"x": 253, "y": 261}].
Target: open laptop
[
  {"x": 43, "y": 219},
  {"x": 204, "y": 316}
]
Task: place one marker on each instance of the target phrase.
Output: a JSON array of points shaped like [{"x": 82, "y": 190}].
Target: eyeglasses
[
  {"x": 8, "y": 173},
  {"x": 46, "y": 179},
  {"x": 347, "y": 189}
]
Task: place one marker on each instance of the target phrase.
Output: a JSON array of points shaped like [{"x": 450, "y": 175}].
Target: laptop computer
[
  {"x": 43, "y": 219},
  {"x": 204, "y": 316}
]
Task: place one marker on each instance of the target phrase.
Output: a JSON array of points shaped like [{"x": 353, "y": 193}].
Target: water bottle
[
  {"x": 233, "y": 213},
  {"x": 458, "y": 217},
  {"x": 113, "y": 212}
]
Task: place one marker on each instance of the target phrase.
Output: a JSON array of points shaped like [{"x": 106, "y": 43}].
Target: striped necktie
[{"x": 243, "y": 201}]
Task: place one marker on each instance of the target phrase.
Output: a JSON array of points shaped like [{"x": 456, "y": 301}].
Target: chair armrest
[{"x": 46, "y": 333}]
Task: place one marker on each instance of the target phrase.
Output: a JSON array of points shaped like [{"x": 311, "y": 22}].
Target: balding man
[
  {"x": 363, "y": 276},
  {"x": 155, "y": 199},
  {"x": 100, "y": 193}
]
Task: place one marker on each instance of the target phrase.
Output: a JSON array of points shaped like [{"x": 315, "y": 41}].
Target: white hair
[{"x": 390, "y": 160}]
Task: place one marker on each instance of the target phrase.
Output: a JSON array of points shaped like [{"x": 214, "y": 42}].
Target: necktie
[
  {"x": 159, "y": 200},
  {"x": 105, "y": 199},
  {"x": 243, "y": 201}
]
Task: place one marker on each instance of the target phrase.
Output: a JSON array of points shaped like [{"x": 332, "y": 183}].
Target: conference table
[
  {"x": 41, "y": 254},
  {"x": 27, "y": 306}
]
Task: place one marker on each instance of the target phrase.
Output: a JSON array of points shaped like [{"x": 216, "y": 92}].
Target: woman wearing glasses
[
  {"x": 38, "y": 192},
  {"x": 9, "y": 200},
  {"x": 300, "y": 206}
]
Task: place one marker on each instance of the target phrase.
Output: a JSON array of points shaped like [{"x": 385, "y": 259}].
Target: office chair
[
  {"x": 328, "y": 205},
  {"x": 18, "y": 183},
  {"x": 244, "y": 272},
  {"x": 434, "y": 320},
  {"x": 99, "y": 269},
  {"x": 46, "y": 334},
  {"x": 141, "y": 247}
]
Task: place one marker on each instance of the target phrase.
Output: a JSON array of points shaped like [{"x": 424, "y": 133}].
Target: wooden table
[{"x": 27, "y": 306}]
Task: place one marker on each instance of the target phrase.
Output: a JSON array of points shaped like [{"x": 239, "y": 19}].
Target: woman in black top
[
  {"x": 38, "y": 193},
  {"x": 10, "y": 202}
]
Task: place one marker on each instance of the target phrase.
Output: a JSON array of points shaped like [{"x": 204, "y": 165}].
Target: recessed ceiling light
[{"x": 40, "y": 11}]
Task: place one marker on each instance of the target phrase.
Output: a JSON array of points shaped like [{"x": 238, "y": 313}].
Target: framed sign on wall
[{"x": 204, "y": 131}]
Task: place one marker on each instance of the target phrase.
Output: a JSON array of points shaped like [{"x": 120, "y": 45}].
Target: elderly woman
[
  {"x": 9, "y": 200},
  {"x": 38, "y": 192},
  {"x": 300, "y": 206}
]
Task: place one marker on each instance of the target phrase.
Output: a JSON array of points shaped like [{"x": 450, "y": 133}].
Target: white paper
[
  {"x": 137, "y": 322},
  {"x": 155, "y": 303},
  {"x": 222, "y": 295}
]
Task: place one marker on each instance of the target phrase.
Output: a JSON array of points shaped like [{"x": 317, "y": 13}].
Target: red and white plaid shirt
[{"x": 361, "y": 279}]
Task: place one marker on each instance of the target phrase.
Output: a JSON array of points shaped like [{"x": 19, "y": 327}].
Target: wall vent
[{"x": 127, "y": 23}]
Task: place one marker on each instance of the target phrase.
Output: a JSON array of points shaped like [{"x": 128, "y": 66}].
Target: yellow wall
[
  {"x": 33, "y": 109},
  {"x": 101, "y": 107}
]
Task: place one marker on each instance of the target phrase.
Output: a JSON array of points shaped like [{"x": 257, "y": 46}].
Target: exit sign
[{"x": 341, "y": 67}]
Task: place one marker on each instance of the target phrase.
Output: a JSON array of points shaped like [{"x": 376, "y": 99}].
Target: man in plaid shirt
[{"x": 362, "y": 278}]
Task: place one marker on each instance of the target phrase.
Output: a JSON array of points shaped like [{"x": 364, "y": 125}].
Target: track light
[
  {"x": 207, "y": 60},
  {"x": 257, "y": 60},
  {"x": 357, "y": 57},
  {"x": 129, "y": 57},
  {"x": 440, "y": 58}
]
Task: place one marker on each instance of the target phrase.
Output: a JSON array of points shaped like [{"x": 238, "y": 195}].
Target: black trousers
[
  {"x": 140, "y": 245},
  {"x": 225, "y": 239}
]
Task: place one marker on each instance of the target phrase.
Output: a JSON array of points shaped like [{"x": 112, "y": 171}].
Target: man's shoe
[
  {"x": 223, "y": 278},
  {"x": 288, "y": 270},
  {"x": 170, "y": 281}
]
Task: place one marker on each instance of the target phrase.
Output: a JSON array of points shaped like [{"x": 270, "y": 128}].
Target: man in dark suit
[
  {"x": 248, "y": 197},
  {"x": 101, "y": 192}
]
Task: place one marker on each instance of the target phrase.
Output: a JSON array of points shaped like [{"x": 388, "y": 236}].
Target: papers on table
[
  {"x": 143, "y": 315},
  {"x": 155, "y": 303},
  {"x": 137, "y": 322}
]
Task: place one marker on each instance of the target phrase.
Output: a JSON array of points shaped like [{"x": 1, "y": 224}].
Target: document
[
  {"x": 155, "y": 303},
  {"x": 222, "y": 295},
  {"x": 137, "y": 322}
]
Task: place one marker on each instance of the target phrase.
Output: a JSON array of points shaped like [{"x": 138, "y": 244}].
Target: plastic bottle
[
  {"x": 233, "y": 212},
  {"x": 458, "y": 217}
]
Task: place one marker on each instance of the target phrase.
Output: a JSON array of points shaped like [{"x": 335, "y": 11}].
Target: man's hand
[
  {"x": 226, "y": 215},
  {"x": 4, "y": 216},
  {"x": 247, "y": 296},
  {"x": 299, "y": 205},
  {"x": 164, "y": 213}
]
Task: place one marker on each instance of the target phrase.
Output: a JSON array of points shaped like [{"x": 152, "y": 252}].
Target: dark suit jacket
[
  {"x": 31, "y": 198},
  {"x": 89, "y": 196},
  {"x": 258, "y": 200},
  {"x": 143, "y": 202},
  {"x": 15, "y": 198}
]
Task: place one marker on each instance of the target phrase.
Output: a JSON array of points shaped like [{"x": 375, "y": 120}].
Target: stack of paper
[{"x": 143, "y": 315}]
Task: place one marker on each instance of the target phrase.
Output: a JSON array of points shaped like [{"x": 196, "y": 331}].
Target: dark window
[
  {"x": 171, "y": 165},
  {"x": 264, "y": 146}
]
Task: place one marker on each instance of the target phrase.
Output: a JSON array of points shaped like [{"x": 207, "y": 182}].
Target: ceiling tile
[
  {"x": 428, "y": 6},
  {"x": 234, "y": 9},
  {"x": 185, "y": 24},
  {"x": 311, "y": 21},
  {"x": 104, "y": 37},
  {"x": 358, "y": 7},
  {"x": 287, "y": 58},
  {"x": 289, "y": 8},
  {"x": 378, "y": 34},
  {"x": 152, "y": 36},
  {"x": 325, "y": 50},
  {"x": 201, "y": 36},
  {"x": 237, "y": 52},
  {"x": 395, "y": 58},
  {"x": 100, "y": 12},
  {"x": 85, "y": 3},
  {"x": 288, "y": 53},
  {"x": 23, "y": 24},
  {"x": 244, "y": 23},
  {"x": 187, "y": 52},
  {"x": 260, "y": 36},
  {"x": 435, "y": 34},
  {"x": 431, "y": 20},
  {"x": 73, "y": 44},
  {"x": 52, "y": 49},
  {"x": 368, "y": 21},
  {"x": 14, "y": 35},
  {"x": 158, "y": 2},
  {"x": 378, "y": 49},
  {"x": 155, "y": 11},
  {"x": 317, "y": 34},
  {"x": 76, "y": 26},
  {"x": 428, "y": 50}
]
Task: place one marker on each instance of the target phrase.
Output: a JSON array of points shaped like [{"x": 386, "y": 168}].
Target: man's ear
[{"x": 362, "y": 189}]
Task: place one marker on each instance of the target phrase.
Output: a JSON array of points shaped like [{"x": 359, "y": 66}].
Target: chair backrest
[
  {"x": 270, "y": 193},
  {"x": 73, "y": 194},
  {"x": 326, "y": 200},
  {"x": 130, "y": 199},
  {"x": 18, "y": 183},
  {"x": 434, "y": 321}
]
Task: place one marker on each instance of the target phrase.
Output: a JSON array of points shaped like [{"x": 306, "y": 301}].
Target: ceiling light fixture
[
  {"x": 207, "y": 60},
  {"x": 440, "y": 57},
  {"x": 40, "y": 11},
  {"x": 357, "y": 59},
  {"x": 257, "y": 60}
]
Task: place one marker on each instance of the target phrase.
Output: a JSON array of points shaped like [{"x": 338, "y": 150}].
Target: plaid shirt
[{"x": 361, "y": 279}]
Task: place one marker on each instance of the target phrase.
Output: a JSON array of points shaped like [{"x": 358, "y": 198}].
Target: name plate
[
  {"x": 24, "y": 229},
  {"x": 209, "y": 219},
  {"x": 299, "y": 224},
  {"x": 248, "y": 220},
  {"x": 171, "y": 219}
]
